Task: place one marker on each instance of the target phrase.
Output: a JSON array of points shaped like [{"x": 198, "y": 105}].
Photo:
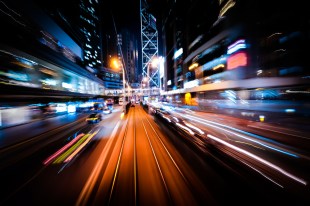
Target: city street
[{"x": 138, "y": 159}]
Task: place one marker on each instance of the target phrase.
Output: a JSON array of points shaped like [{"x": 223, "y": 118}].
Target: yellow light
[
  {"x": 218, "y": 66},
  {"x": 122, "y": 115},
  {"x": 62, "y": 157},
  {"x": 193, "y": 66},
  {"x": 115, "y": 63},
  {"x": 226, "y": 7},
  {"x": 188, "y": 98}
]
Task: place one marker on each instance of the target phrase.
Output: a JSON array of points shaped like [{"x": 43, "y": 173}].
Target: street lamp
[
  {"x": 153, "y": 63},
  {"x": 117, "y": 64}
]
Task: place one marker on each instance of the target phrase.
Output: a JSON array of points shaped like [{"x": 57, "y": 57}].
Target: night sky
[{"x": 126, "y": 13}]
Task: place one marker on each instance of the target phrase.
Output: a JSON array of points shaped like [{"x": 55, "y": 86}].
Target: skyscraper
[
  {"x": 81, "y": 21},
  {"x": 149, "y": 44},
  {"x": 89, "y": 25}
]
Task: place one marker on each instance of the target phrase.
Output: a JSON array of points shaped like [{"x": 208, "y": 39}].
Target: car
[
  {"x": 94, "y": 118},
  {"x": 106, "y": 110}
]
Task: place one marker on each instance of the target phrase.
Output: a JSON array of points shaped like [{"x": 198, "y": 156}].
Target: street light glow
[
  {"x": 115, "y": 63},
  {"x": 154, "y": 62}
]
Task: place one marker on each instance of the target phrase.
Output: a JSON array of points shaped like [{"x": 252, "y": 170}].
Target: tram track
[
  {"x": 176, "y": 184},
  {"x": 140, "y": 166}
]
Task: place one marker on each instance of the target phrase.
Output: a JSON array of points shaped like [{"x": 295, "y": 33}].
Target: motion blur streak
[
  {"x": 272, "y": 130},
  {"x": 273, "y": 148},
  {"x": 62, "y": 157},
  {"x": 81, "y": 147},
  {"x": 167, "y": 118},
  {"x": 176, "y": 119},
  {"x": 194, "y": 127},
  {"x": 169, "y": 154},
  {"x": 235, "y": 129},
  {"x": 260, "y": 172},
  {"x": 275, "y": 167},
  {"x": 186, "y": 128},
  {"x": 56, "y": 154},
  {"x": 122, "y": 115},
  {"x": 11, "y": 15},
  {"x": 90, "y": 184}
]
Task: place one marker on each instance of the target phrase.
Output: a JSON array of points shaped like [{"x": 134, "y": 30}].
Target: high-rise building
[
  {"x": 183, "y": 24},
  {"x": 81, "y": 20},
  {"x": 149, "y": 45},
  {"x": 90, "y": 26},
  {"x": 35, "y": 36},
  {"x": 129, "y": 50},
  {"x": 120, "y": 40}
]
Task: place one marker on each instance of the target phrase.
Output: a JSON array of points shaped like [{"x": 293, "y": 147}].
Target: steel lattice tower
[{"x": 149, "y": 44}]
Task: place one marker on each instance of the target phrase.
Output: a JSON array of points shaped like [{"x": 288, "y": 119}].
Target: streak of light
[
  {"x": 273, "y": 35},
  {"x": 70, "y": 157},
  {"x": 265, "y": 162},
  {"x": 260, "y": 172},
  {"x": 189, "y": 111},
  {"x": 166, "y": 118},
  {"x": 186, "y": 128},
  {"x": 92, "y": 179},
  {"x": 10, "y": 9},
  {"x": 56, "y": 154},
  {"x": 254, "y": 126},
  {"x": 176, "y": 119},
  {"x": 117, "y": 166},
  {"x": 235, "y": 129},
  {"x": 202, "y": 121},
  {"x": 64, "y": 155},
  {"x": 248, "y": 144},
  {"x": 194, "y": 127},
  {"x": 11, "y": 15}
]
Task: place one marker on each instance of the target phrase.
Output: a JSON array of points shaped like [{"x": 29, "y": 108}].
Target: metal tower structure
[{"x": 149, "y": 44}]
